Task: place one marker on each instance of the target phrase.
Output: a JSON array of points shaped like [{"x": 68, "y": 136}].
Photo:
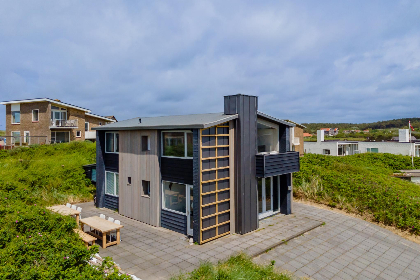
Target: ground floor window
[
  {"x": 16, "y": 137},
  {"x": 111, "y": 183},
  {"x": 372, "y": 150},
  {"x": 268, "y": 196},
  {"x": 326, "y": 152},
  {"x": 60, "y": 136},
  {"x": 174, "y": 197}
]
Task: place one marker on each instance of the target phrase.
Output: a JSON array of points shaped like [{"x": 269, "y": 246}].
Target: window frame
[
  {"x": 88, "y": 126},
  {"x": 78, "y": 134},
  {"x": 115, "y": 183},
  {"x": 142, "y": 189},
  {"x": 13, "y": 137},
  {"x": 163, "y": 198},
  {"x": 115, "y": 142},
  {"x": 29, "y": 137},
  {"x": 329, "y": 151},
  {"x": 185, "y": 143},
  {"x": 14, "y": 117},
  {"x": 148, "y": 143},
  {"x": 33, "y": 115}
]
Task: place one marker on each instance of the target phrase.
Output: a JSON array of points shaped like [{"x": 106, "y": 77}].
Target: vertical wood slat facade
[
  {"x": 139, "y": 165},
  {"x": 215, "y": 194}
]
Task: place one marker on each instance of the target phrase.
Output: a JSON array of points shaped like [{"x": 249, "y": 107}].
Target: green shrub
[
  {"x": 34, "y": 242},
  {"x": 363, "y": 184}
]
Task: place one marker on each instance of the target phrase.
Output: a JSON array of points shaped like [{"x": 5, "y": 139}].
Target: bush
[
  {"x": 34, "y": 242},
  {"x": 363, "y": 184}
]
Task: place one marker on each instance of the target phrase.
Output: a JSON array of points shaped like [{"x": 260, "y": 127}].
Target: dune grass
[{"x": 236, "y": 267}]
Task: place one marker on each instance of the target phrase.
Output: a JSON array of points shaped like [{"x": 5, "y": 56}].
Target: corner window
[
  {"x": 111, "y": 183},
  {"x": 86, "y": 126},
  {"x": 174, "y": 197},
  {"x": 78, "y": 133},
  {"x": 35, "y": 115},
  {"x": 177, "y": 144},
  {"x": 145, "y": 188},
  {"x": 145, "y": 143},
  {"x": 111, "y": 142},
  {"x": 326, "y": 152}
]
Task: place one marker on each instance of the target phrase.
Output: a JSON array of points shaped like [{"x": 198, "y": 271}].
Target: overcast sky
[{"x": 309, "y": 61}]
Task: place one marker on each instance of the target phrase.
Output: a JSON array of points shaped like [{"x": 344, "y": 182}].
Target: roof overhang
[
  {"x": 115, "y": 126},
  {"x": 273, "y": 119},
  {"x": 45, "y": 100},
  {"x": 100, "y": 117}
]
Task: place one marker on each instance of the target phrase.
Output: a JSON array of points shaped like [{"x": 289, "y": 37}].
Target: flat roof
[
  {"x": 47, "y": 100},
  {"x": 170, "y": 122}
]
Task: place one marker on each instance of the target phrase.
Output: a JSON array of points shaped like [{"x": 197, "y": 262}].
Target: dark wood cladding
[
  {"x": 111, "y": 161},
  {"x": 277, "y": 164},
  {"x": 173, "y": 221},
  {"x": 111, "y": 202},
  {"x": 245, "y": 150},
  {"x": 177, "y": 170}
]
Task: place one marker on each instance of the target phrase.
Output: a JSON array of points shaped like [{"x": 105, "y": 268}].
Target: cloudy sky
[{"x": 309, "y": 61}]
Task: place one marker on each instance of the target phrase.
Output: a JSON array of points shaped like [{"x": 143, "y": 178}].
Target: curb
[{"x": 262, "y": 251}]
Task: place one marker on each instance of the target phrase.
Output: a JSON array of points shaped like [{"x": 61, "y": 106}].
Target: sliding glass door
[{"x": 268, "y": 196}]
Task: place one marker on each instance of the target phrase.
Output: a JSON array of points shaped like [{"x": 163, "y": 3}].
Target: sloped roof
[
  {"x": 273, "y": 119},
  {"x": 297, "y": 124},
  {"x": 101, "y": 117},
  {"x": 170, "y": 122},
  {"x": 53, "y": 101}
]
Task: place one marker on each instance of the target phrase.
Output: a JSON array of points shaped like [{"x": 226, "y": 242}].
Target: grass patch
[
  {"x": 2, "y": 132},
  {"x": 236, "y": 267},
  {"x": 34, "y": 242},
  {"x": 362, "y": 184}
]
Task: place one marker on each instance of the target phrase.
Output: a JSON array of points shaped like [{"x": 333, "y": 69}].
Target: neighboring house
[
  {"x": 330, "y": 131},
  {"x": 44, "y": 120},
  {"x": 297, "y": 135},
  {"x": 343, "y": 148},
  {"x": 205, "y": 175}
]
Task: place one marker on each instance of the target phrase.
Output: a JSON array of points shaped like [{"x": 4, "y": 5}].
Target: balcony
[
  {"x": 274, "y": 163},
  {"x": 64, "y": 124}
]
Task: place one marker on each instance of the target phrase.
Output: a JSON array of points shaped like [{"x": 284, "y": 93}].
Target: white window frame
[
  {"x": 323, "y": 151},
  {"x": 115, "y": 142},
  {"x": 13, "y": 118},
  {"x": 185, "y": 143},
  {"x": 88, "y": 126},
  {"x": 115, "y": 183},
  {"x": 148, "y": 143},
  {"x": 13, "y": 138},
  {"x": 142, "y": 189},
  {"x": 55, "y": 136},
  {"x": 29, "y": 138},
  {"x": 33, "y": 115},
  {"x": 78, "y": 134},
  {"x": 186, "y": 198}
]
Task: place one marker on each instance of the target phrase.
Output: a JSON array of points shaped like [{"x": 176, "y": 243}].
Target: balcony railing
[
  {"x": 90, "y": 135},
  {"x": 10, "y": 142},
  {"x": 64, "y": 123},
  {"x": 273, "y": 164}
]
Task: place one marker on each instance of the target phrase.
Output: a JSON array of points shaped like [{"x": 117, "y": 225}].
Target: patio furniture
[
  {"x": 110, "y": 219},
  {"x": 74, "y": 207},
  {"x": 104, "y": 227},
  {"x": 85, "y": 237},
  {"x": 64, "y": 210},
  {"x": 68, "y": 205},
  {"x": 80, "y": 210},
  {"x": 102, "y": 216}
]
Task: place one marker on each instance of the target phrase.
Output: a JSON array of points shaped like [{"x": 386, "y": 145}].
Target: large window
[
  {"x": 15, "y": 113},
  {"x": 174, "y": 197},
  {"x": 60, "y": 136},
  {"x": 111, "y": 142},
  {"x": 16, "y": 137},
  {"x": 177, "y": 144},
  {"x": 111, "y": 183},
  {"x": 372, "y": 150}
]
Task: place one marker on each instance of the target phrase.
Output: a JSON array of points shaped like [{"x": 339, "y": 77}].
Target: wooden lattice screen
[{"x": 214, "y": 186}]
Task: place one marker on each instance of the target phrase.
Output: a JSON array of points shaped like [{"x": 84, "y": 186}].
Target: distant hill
[
  {"x": 2, "y": 132},
  {"x": 397, "y": 123}
]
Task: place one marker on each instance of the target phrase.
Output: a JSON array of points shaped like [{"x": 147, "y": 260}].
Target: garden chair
[
  {"x": 113, "y": 234},
  {"x": 111, "y": 219},
  {"x": 74, "y": 207},
  {"x": 80, "y": 210},
  {"x": 102, "y": 216},
  {"x": 68, "y": 205}
]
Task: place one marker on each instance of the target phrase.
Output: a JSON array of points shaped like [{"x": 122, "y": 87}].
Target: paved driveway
[{"x": 346, "y": 248}]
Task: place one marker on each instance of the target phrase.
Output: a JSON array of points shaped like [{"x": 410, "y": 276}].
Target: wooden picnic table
[
  {"x": 103, "y": 226},
  {"x": 66, "y": 211}
]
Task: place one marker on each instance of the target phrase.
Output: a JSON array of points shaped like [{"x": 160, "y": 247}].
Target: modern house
[
  {"x": 297, "y": 137},
  {"x": 44, "y": 120},
  {"x": 343, "y": 148},
  {"x": 205, "y": 175}
]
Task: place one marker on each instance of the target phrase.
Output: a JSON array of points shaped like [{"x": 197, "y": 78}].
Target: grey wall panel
[
  {"x": 174, "y": 221},
  {"x": 111, "y": 202},
  {"x": 245, "y": 150},
  {"x": 177, "y": 170},
  {"x": 140, "y": 166},
  {"x": 100, "y": 168},
  {"x": 286, "y": 194}
]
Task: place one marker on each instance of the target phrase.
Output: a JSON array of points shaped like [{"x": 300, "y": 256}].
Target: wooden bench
[{"x": 85, "y": 237}]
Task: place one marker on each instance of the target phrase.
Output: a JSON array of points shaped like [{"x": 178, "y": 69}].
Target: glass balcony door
[{"x": 266, "y": 196}]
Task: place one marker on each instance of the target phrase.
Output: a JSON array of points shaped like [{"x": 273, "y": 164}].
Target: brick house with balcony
[{"x": 45, "y": 120}]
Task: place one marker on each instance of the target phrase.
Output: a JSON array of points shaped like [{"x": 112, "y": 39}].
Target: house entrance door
[{"x": 265, "y": 197}]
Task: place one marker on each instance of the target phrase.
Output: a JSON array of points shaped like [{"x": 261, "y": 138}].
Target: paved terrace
[
  {"x": 346, "y": 248},
  {"x": 157, "y": 253}
]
